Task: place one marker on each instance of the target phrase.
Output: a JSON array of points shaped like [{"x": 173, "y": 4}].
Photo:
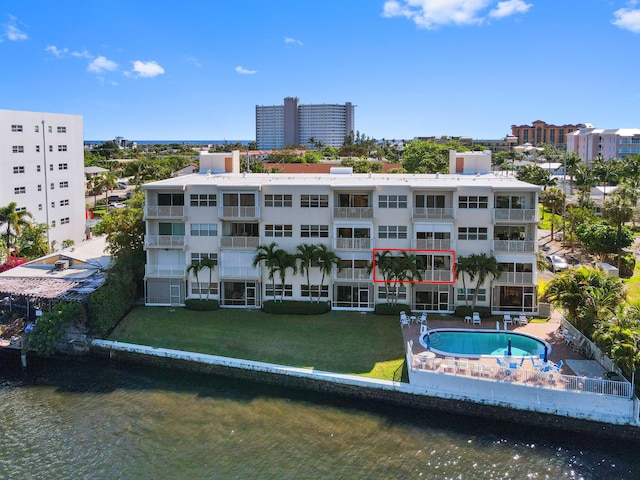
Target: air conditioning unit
[{"x": 61, "y": 265}]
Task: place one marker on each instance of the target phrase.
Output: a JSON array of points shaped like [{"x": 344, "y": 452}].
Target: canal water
[{"x": 93, "y": 419}]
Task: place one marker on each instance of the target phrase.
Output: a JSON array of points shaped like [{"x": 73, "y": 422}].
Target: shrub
[
  {"x": 627, "y": 265},
  {"x": 201, "y": 305},
  {"x": 296, "y": 307},
  {"x": 50, "y": 327},
  {"x": 388, "y": 309},
  {"x": 463, "y": 311}
]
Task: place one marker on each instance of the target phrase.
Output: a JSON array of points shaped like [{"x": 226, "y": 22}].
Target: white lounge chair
[
  {"x": 523, "y": 320},
  {"x": 476, "y": 318}
]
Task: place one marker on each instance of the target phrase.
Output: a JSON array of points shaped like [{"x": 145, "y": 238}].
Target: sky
[{"x": 195, "y": 70}]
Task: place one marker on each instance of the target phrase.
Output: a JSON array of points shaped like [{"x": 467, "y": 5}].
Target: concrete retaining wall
[{"x": 353, "y": 386}]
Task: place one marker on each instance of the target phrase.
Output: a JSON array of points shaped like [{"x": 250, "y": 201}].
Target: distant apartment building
[
  {"x": 42, "y": 170},
  {"x": 589, "y": 142},
  {"x": 540, "y": 132},
  {"x": 225, "y": 216},
  {"x": 294, "y": 124}
]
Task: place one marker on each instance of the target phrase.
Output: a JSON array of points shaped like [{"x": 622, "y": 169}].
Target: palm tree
[
  {"x": 383, "y": 263},
  {"x": 407, "y": 271},
  {"x": 268, "y": 254},
  {"x": 585, "y": 179},
  {"x": 326, "y": 259},
  {"x": 196, "y": 268},
  {"x": 617, "y": 211},
  {"x": 464, "y": 268},
  {"x": 285, "y": 261},
  {"x": 14, "y": 221},
  {"x": 211, "y": 265},
  {"x": 553, "y": 198},
  {"x": 481, "y": 267},
  {"x": 108, "y": 181},
  {"x": 307, "y": 255}
]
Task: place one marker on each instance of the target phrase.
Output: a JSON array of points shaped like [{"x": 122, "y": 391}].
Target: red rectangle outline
[{"x": 418, "y": 282}]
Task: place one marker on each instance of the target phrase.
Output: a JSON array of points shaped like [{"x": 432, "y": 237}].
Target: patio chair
[
  {"x": 523, "y": 320},
  {"x": 423, "y": 329},
  {"x": 504, "y": 369},
  {"x": 449, "y": 364},
  {"x": 463, "y": 365},
  {"x": 422, "y": 319},
  {"x": 476, "y": 318},
  {"x": 404, "y": 321},
  {"x": 577, "y": 346}
]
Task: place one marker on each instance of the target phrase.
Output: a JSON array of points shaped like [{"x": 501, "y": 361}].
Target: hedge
[
  {"x": 296, "y": 307},
  {"x": 201, "y": 305},
  {"x": 388, "y": 309}
]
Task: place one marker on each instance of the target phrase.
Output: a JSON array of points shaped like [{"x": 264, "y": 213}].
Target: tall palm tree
[
  {"x": 482, "y": 267},
  {"x": 14, "y": 221},
  {"x": 210, "y": 264},
  {"x": 553, "y": 198},
  {"x": 617, "y": 210},
  {"x": 464, "y": 268},
  {"x": 407, "y": 271},
  {"x": 284, "y": 262},
  {"x": 268, "y": 254},
  {"x": 383, "y": 263},
  {"x": 307, "y": 255},
  {"x": 585, "y": 179},
  {"x": 108, "y": 181},
  {"x": 327, "y": 259},
  {"x": 196, "y": 268}
]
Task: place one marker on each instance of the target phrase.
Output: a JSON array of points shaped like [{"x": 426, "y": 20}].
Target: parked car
[
  {"x": 113, "y": 198},
  {"x": 122, "y": 185},
  {"x": 557, "y": 263},
  {"x": 117, "y": 205}
]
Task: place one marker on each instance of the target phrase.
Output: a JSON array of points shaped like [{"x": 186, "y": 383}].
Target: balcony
[
  {"x": 352, "y": 274},
  {"x": 238, "y": 272},
  {"x": 517, "y": 278},
  {"x": 433, "y": 214},
  {"x": 237, "y": 212},
  {"x": 514, "y": 246},
  {"x": 165, "y": 241},
  {"x": 353, "y": 243},
  {"x": 165, "y": 271},
  {"x": 353, "y": 213},
  {"x": 239, "y": 242},
  {"x": 436, "y": 275},
  {"x": 431, "y": 244},
  {"x": 514, "y": 215},
  {"x": 163, "y": 211}
]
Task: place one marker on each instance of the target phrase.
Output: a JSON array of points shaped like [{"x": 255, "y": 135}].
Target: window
[
  {"x": 392, "y": 201},
  {"x": 278, "y": 231},
  {"x": 314, "y": 201},
  {"x": 430, "y": 201},
  {"x": 324, "y": 293},
  {"x": 19, "y": 190},
  {"x": 171, "y": 199},
  {"x": 51, "y": 167},
  {"x": 63, "y": 166},
  {"x": 62, "y": 129},
  {"x": 39, "y": 207},
  {"x": 515, "y": 202},
  {"x": 399, "y": 292},
  {"x": 37, "y": 168},
  {"x": 51, "y": 148},
  {"x": 392, "y": 231},
  {"x": 197, "y": 257},
  {"x": 53, "y": 204},
  {"x": 21, "y": 209},
  {"x": 165, "y": 228},
  {"x": 62, "y": 148},
  {"x": 203, "y": 200},
  {"x": 18, "y": 169},
  {"x": 204, "y": 229},
  {"x": 49, "y": 129},
  {"x": 64, "y": 184},
  {"x": 16, "y": 128},
  {"x": 270, "y": 292},
  {"x": 482, "y": 294},
  {"x": 64, "y": 221},
  {"x": 38, "y": 150},
  {"x": 312, "y": 231},
  {"x": 472, "y": 233},
  {"x": 203, "y": 288},
  {"x": 39, "y": 188},
  {"x": 53, "y": 224},
  {"x": 64, "y": 203},
  {"x": 37, "y": 128},
  {"x": 277, "y": 200},
  {"x": 17, "y": 148},
  {"x": 473, "y": 202}
]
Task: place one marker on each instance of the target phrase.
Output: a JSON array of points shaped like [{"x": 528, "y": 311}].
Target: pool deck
[{"x": 547, "y": 331}]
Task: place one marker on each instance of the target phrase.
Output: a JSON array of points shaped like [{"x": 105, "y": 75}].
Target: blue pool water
[{"x": 461, "y": 342}]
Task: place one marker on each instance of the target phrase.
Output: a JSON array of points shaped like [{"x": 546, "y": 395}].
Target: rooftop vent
[
  {"x": 341, "y": 170},
  {"x": 61, "y": 265}
]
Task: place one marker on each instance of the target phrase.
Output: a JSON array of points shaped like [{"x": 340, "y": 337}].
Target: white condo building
[
  {"x": 589, "y": 143},
  {"x": 224, "y": 215}
]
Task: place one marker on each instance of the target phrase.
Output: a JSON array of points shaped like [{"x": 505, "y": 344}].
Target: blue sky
[{"x": 160, "y": 70}]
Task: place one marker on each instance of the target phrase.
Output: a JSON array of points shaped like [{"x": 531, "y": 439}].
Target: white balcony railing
[
  {"x": 229, "y": 271},
  {"x": 353, "y": 243},
  {"x": 353, "y": 213},
  {"x": 164, "y": 241},
  {"x": 431, "y": 244},
  {"x": 433, "y": 213},
  {"x": 239, "y": 212},
  {"x": 518, "y": 278},
  {"x": 163, "y": 211},
  {"x": 514, "y": 215},
  {"x": 352, "y": 274},
  {"x": 239, "y": 242},
  {"x": 177, "y": 271},
  {"x": 514, "y": 246},
  {"x": 436, "y": 275}
]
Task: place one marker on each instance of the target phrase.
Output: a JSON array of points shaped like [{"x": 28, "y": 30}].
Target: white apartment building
[
  {"x": 225, "y": 215},
  {"x": 589, "y": 142},
  {"x": 41, "y": 164}
]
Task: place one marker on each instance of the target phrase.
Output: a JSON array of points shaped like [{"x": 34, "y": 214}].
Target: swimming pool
[{"x": 473, "y": 343}]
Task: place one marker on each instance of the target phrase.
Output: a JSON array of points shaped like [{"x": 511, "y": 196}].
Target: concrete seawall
[{"x": 352, "y": 386}]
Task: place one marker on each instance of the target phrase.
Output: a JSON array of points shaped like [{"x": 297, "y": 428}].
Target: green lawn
[
  {"x": 344, "y": 342},
  {"x": 633, "y": 286}
]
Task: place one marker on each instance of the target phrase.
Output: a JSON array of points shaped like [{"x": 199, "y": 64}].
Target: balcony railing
[
  {"x": 514, "y": 246},
  {"x": 353, "y": 243},
  {"x": 164, "y": 241},
  {"x": 239, "y": 212},
  {"x": 177, "y": 271},
  {"x": 518, "y": 278},
  {"x": 229, "y": 271},
  {"x": 433, "y": 213},
  {"x": 514, "y": 215},
  {"x": 163, "y": 211},
  {"x": 353, "y": 213},
  {"x": 239, "y": 242},
  {"x": 431, "y": 244},
  {"x": 436, "y": 275},
  {"x": 352, "y": 274}
]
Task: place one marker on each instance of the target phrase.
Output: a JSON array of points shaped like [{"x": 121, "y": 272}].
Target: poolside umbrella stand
[
  {"x": 509, "y": 348},
  {"x": 546, "y": 354}
]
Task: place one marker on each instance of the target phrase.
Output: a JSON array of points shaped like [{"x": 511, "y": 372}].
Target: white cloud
[
  {"x": 244, "y": 71},
  {"x": 627, "y": 19},
  {"x": 11, "y": 30},
  {"x": 102, "y": 64},
  {"x": 292, "y": 41},
  {"x": 510, "y": 7},
  {"x": 431, "y": 14},
  {"x": 82, "y": 54},
  {"x": 55, "y": 51},
  {"x": 146, "y": 69},
  {"x": 195, "y": 61}
]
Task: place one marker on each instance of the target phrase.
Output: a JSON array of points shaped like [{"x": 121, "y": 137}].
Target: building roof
[{"x": 94, "y": 170}]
